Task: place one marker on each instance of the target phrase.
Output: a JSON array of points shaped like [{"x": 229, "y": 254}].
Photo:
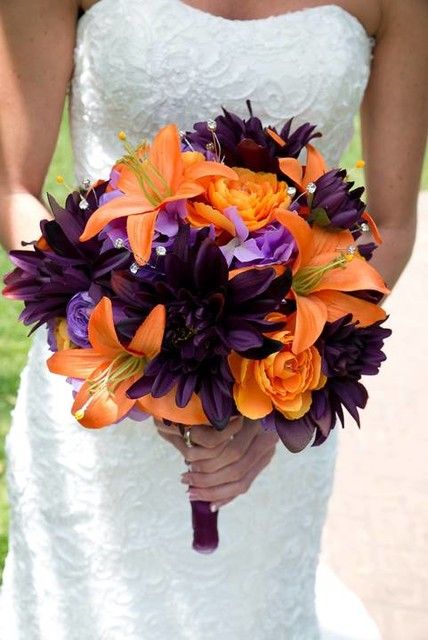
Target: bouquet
[{"x": 217, "y": 272}]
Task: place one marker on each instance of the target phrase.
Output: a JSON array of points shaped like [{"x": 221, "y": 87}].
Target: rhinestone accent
[
  {"x": 212, "y": 125},
  {"x": 83, "y": 204},
  {"x": 134, "y": 268},
  {"x": 119, "y": 243},
  {"x": 364, "y": 227},
  {"x": 210, "y": 146},
  {"x": 291, "y": 191},
  {"x": 311, "y": 187},
  {"x": 86, "y": 183},
  {"x": 351, "y": 250},
  {"x": 160, "y": 251}
]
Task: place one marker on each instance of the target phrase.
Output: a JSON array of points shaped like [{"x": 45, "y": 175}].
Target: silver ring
[{"x": 186, "y": 437}]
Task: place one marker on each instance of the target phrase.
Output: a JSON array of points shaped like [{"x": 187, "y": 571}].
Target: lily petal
[
  {"x": 166, "y": 407},
  {"x": 165, "y": 154},
  {"x": 105, "y": 408},
  {"x": 340, "y": 304},
  {"x": 78, "y": 363},
  {"x": 140, "y": 230},
  {"x": 315, "y": 165},
  {"x": 356, "y": 275},
  {"x": 199, "y": 170},
  {"x": 301, "y": 232},
  {"x": 101, "y": 330},
  {"x": 148, "y": 337},
  {"x": 292, "y": 168},
  {"x": 116, "y": 208},
  {"x": 311, "y": 317}
]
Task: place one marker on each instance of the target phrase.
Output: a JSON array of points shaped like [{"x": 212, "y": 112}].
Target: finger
[
  {"x": 263, "y": 462},
  {"x": 209, "y": 437},
  {"x": 259, "y": 447},
  {"x": 194, "y": 453},
  {"x": 230, "y": 490},
  {"x": 232, "y": 452}
]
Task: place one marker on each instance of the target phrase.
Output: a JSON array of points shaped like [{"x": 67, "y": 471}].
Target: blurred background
[{"x": 376, "y": 537}]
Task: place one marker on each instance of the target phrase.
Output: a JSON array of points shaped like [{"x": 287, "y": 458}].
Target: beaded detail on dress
[{"x": 100, "y": 524}]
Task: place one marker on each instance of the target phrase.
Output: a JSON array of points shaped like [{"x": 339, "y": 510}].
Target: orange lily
[
  {"x": 303, "y": 175},
  {"x": 149, "y": 178},
  {"x": 108, "y": 368},
  {"x": 324, "y": 271}
]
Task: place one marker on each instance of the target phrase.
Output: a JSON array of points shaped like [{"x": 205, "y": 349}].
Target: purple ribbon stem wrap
[{"x": 205, "y": 531}]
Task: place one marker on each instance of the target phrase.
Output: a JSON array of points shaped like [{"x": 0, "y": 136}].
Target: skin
[{"x": 36, "y": 60}]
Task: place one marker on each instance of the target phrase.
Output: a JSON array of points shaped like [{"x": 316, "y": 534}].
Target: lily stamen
[{"x": 307, "y": 278}]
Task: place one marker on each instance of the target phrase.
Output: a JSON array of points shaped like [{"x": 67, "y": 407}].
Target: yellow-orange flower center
[{"x": 255, "y": 195}]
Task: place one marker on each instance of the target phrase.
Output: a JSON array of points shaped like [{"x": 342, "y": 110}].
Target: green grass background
[{"x": 13, "y": 341}]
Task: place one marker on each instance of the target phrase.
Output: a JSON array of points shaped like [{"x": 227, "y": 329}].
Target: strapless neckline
[{"x": 251, "y": 22}]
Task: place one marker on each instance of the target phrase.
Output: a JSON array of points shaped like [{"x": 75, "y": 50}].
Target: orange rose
[
  {"x": 255, "y": 195},
  {"x": 282, "y": 381}
]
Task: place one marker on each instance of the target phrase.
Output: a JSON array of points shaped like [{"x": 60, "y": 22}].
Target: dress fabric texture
[{"x": 100, "y": 528}]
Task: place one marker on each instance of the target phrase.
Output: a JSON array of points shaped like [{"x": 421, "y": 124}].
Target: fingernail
[
  {"x": 213, "y": 508},
  {"x": 185, "y": 478},
  {"x": 193, "y": 495}
]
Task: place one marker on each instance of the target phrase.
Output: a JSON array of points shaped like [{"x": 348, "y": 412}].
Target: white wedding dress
[{"x": 100, "y": 524}]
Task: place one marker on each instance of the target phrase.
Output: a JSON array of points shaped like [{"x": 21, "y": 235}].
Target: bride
[{"x": 100, "y": 522}]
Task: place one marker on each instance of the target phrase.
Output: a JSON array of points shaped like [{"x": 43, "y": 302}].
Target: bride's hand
[{"x": 223, "y": 464}]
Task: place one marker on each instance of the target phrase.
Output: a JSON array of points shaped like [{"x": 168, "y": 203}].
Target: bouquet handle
[{"x": 205, "y": 529}]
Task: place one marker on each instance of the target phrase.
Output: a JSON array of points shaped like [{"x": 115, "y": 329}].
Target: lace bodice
[
  {"x": 100, "y": 524},
  {"x": 143, "y": 63}
]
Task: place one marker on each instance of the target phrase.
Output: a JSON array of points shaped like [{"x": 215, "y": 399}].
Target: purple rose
[{"x": 78, "y": 311}]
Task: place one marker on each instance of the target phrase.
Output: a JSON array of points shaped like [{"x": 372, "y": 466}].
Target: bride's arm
[
  {"x": 36, "y": 58},
  {"x": 394, "y": 129}
]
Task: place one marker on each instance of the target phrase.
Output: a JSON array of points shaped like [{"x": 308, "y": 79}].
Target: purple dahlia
[
  {"x": 208, "y": 316},
  {"x": 348, "y": 352},
  {"x": 246, "y": 143},
  {"x": 47, "y": 279}
]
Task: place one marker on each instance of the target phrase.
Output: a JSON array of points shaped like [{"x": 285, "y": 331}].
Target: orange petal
[
  {"x": 275, "y": 137},
  {"x": 301, "y": 232},
  {"x": 356, "y": 275},
  {"x": 165, "y": 153},
  {"x": 185, "y": 190},
  {"x": 373, "y": 227},
  {"x": 127, "y": 181},
  {"x": 148, "y": 337},
  {"x": 326, "y": 241},
  {"x": 311, "y": 316},
  {"x": 339, "y": 304},
  {"x": 315, "y": 165},
  {"x": 250, "y": 399},
  {"x": 208, "y": 168},
  {"x": 140, "y": 230},
  {"x": 105, "y": 408},
  {"x": 292, "y": 168},
  {"x": 116, "y": 208},
  {"x": 78, "y": 363},
  {"x": 101, "y": 330},
  {"x": 201, "y": 214},
  {"x": 166, "y": 407}
]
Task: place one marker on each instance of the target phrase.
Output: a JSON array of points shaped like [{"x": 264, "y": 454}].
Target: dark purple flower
[
  {"x": 336, "y": 203},
  {"x": 47, "y": 278},
  {"x": 208, "y": 316},
  {"x": 246, "y": 143}
]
